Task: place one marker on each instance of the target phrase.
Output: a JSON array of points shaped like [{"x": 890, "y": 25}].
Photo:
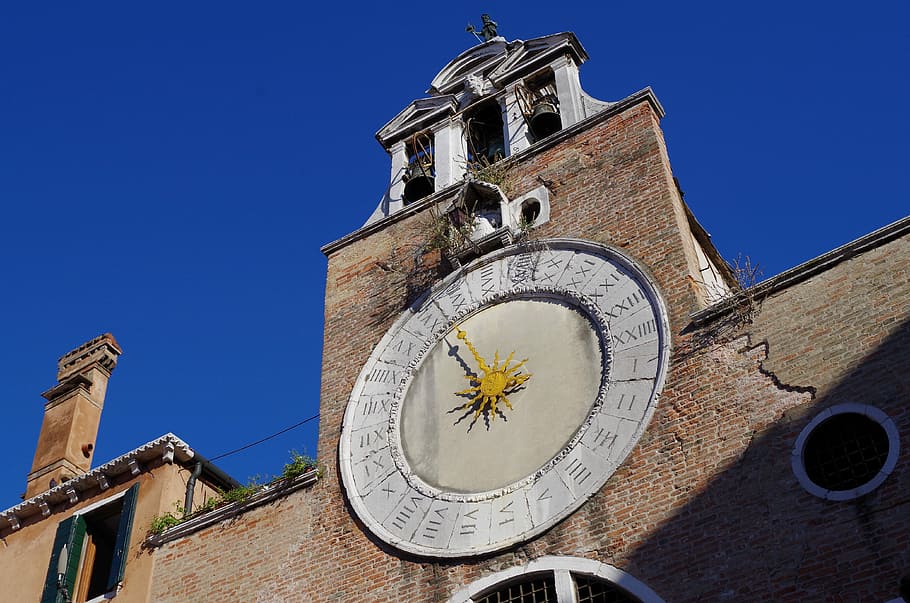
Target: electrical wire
[{"x": 265, "y": 439}]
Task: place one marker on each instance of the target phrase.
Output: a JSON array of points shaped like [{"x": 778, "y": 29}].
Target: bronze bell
[
  {"x": 418, "y": 182},
  {"x": 545, "y": 120}
]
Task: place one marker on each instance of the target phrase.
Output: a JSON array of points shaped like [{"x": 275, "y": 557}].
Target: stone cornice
[{"x": 169, "y": 448}]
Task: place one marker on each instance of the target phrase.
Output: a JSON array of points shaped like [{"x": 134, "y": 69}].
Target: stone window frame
[
  {"x": 562, "y": 568},
  {"x": 871, "y": 412}
]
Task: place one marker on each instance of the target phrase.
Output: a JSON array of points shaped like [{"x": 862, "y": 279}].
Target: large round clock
[{"x": 504, "y": 398}]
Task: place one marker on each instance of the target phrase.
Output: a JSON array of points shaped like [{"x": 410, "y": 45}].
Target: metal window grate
[
  {"x": 536, "y": 590},
  {"x": 592, "y": 590},
  {"x": 845, "y": 451}
]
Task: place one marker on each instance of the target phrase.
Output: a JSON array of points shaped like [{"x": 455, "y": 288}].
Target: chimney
[{"x": 72, "y": 414}]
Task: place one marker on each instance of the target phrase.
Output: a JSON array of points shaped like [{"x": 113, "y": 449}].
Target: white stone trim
[
  {"x": 796, "y": 458},
  {"x": 562, "y": 567},
  {"x": 100, "y": 503},
  {"x": 512, "y": 216}
]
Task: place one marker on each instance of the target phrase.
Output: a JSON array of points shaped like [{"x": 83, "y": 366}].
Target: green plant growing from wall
[
  {"x": 162, "y": 522},
  {"x": 299, "y": 464},
  {"x": 241, "y": 493},
  {"x": 498, "y": 172},
  {"x": 166, "y": 520}
]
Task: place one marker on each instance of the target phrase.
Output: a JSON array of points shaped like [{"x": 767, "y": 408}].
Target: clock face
[{"x": 504, "y": 399}]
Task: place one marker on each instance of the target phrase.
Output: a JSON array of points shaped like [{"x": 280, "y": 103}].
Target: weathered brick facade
[{"x": 706, "y": 508}]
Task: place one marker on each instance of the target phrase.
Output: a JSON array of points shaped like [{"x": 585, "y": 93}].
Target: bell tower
[{"x": 522, "y": 218}]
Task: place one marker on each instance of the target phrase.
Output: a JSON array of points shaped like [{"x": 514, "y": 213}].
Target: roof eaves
[{"x": 170, "y": 448}]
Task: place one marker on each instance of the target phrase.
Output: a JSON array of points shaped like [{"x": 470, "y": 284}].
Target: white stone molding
[
  {"x": 568, "y": 91},
  {"x": 798, "y": 465},
  {"x": 512, "y": 215},
  {"x": 45, "y": 508},
  {"x": 517, "y": 131},
  {"x": 450, "y": 153},
  {"x": 73, "y": 496},
  {"x": 395, "y": 196},
  {"x": 168, "y": 453}
]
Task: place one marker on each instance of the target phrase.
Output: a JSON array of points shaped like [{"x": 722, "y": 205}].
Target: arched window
[{"x": 558, "y": 580}]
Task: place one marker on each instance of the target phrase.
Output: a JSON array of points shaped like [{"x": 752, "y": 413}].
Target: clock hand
[{"x": 477, "y": 357}]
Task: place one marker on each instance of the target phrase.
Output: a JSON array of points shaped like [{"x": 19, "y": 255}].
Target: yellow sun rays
[{"x": 497, "y": 381}]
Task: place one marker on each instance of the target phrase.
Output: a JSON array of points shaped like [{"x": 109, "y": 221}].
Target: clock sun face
[{"x": 504, "y": 399}]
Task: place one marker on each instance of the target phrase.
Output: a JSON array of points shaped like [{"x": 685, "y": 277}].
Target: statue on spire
[{"x": 488, "y": 31}]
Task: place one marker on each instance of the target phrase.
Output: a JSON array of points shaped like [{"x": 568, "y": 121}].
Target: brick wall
[{"x": 706, "y": 507}]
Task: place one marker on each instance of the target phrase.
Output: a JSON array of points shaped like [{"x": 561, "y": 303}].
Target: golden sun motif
[{"x": 491, "y": 389}]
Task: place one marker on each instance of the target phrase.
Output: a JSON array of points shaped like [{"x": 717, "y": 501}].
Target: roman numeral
[
  {"x": 582, "y": 271},
  {"x": 430, "y": 321},
  {"x": 578, "y": 471},
  {"x": 609, "y": 281},
  {"x": 403, "y": 347},
  {"x": 469, "y": 523},
  {"x": 486, "y": 280},
  {"x": 366, "y": 439},
  {"x": 377, "y": 466},
  {"x": 509, "y": 514},
  {"x": 520, "y": 269},
  {"x": 380, "y": 375},
  {"x": 556, "y": 266},
  {"x": 405, "y": 513},
  {"x": 625, "y": 305},
  {"x": 605, "y": 438},
  {"x": 628, "y": 335},
  {"x": 545, "y": 495},
  {"x": 431, "y": 530},
  {"x": 622, "y": 402},
  {"x": 458, "y": 301},
  {"x": 374, "y": 406}
]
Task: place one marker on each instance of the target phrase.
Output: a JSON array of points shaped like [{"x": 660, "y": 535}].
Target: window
[
  {"x": 420, "y": 175},
  {"x": 845, "y": 452},
  {"x": 485, "y": 135},
  {"x": 558, "y": 580},
  {"x": 539, "y": 104},
  {"x": 96, "y": 540},
  {"x": 530, "y": 590}
]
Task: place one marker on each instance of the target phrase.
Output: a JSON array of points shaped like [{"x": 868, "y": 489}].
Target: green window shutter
[
  {"x": 123, "y": 538},
  {"x": 70, "y": 532}
]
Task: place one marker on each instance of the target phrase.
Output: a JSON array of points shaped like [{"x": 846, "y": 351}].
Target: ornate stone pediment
[
  {"x": 525, "y": 57},
  {"x": 500, "y": 61},
  {"x": 420, "y": 114},
  {"x": 477, "y": 59}
]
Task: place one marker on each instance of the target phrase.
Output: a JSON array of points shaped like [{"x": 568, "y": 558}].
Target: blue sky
[{"x": 168, "y": 173}]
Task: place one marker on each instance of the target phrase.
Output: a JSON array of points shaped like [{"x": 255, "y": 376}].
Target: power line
[{"x": 265, "y": 439}]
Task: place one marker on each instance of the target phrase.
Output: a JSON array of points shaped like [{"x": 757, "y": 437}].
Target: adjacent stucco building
[{"x": 98, "y": 516}]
